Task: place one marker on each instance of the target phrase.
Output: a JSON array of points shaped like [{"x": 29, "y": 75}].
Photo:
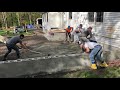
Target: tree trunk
[
  {"x": 18, "y": 18},
  {"x": 4, "y": 17},
  {"x": 6, "y": 26},
  {"x": 30, "y": 18}
]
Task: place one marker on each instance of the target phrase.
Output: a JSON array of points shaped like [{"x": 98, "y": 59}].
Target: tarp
[{"x": 30, "y": 26}]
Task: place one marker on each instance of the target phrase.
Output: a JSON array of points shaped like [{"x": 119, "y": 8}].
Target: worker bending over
[{"x": 11, "y": 44}]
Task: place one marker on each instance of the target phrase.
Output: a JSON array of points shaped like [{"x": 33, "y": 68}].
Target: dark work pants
[
  {"x": 10, "y": 47},
  {"x": 68, "y": 34}
]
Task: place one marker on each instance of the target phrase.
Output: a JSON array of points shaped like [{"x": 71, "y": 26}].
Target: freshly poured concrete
[
  {"x": 35, "y": 65},
  {"x": 69, "y": 57}
]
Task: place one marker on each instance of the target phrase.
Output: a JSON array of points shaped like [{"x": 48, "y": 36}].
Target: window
[
  {"x": 99, "y": 17},
  {"x": 91, "y": 16},
  {"x": 70, "y": 15}
]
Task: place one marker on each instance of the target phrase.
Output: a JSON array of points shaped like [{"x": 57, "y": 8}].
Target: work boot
[
  {"x": 94, "y": 66},
  {"x": 104, "y": 64}
]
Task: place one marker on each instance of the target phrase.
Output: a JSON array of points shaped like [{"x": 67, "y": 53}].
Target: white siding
[
  {"x": 54, "y": 19},
  {"x": 110, "y": 33},
  {"x": 75, "y": 21},
  {"x": 79, "y": 18},
  {"x": 112, "y": 24},
  {"x": 66, "y": 19}
]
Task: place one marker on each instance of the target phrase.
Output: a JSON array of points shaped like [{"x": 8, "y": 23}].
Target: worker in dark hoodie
[{"x": 87, "y": 36}]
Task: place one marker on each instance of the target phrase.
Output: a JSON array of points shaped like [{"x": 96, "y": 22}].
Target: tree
[
  {"x": 29, "y": 14},
  {"x": 18, "y": 18},
  {"x": 9, "y": 19},
  {"x": 4, "y": 21}
]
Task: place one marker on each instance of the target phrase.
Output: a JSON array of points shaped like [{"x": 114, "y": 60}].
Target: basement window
[
  {"x": 91, "y": 16},
  {"x": 70, "y": 15},
  {"x": 99, "y": 17}
]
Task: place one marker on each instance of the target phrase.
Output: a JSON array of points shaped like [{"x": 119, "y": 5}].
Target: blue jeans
[
  {"x": 10, "y": 47},
  {"x": 95, "y": 54}
]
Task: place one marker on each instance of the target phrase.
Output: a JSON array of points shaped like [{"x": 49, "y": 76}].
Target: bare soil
[
  {"x": 37, "y": 42},
  {"x": 39, "y": 46}
]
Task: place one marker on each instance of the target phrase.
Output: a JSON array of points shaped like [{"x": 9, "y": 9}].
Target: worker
[
  {"x": 11, "y": 44},
  {"x": 87, "y": 35},
  {"x": 94, "y": 50},
  {"x": 77, "y": 32},
  {"x": 68, "y": 32}
]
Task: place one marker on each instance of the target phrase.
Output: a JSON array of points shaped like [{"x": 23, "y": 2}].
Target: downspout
[{"x": 95, "y": 17}]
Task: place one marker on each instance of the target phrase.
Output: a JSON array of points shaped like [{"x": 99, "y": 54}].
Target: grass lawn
[
  {"x": 110, "y": 72},
  {"x": 11, "y": 34}
]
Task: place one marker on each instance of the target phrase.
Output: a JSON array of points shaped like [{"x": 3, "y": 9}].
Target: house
[
  {"x": 39, "y": 22},
  {"x": 52, "y": 20},
  {"x": 60, "y": 20},
  {"x": 107, "y": 28},
  {"x": 105, "y": 24}
]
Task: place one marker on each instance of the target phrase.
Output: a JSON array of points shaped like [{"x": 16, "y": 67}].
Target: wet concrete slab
[{"x": 48, "y": 65}]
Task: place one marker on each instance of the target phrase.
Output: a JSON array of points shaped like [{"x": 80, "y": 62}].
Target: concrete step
[{"x": 56, "y": 37}]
